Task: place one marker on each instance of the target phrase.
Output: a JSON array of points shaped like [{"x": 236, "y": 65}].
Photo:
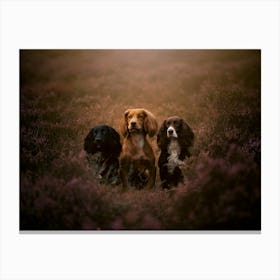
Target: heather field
[{"x": 63, "y": 94}]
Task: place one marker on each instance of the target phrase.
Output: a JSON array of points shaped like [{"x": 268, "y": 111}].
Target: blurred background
[{"x": 64, "y": 93}]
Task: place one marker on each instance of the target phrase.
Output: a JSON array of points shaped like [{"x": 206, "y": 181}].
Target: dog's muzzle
[
  {"x": 132, "y": 127},
  {"x": 171, "y": 132}
]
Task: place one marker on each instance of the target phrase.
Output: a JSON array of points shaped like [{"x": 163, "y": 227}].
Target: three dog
[{"x": 134, "y": 162}]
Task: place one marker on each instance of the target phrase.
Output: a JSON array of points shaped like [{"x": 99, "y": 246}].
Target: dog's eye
[
  {"x": 140, "y": 117},
  {"x": 102, "y": 131},
  {"x": 129, "y": 117}
]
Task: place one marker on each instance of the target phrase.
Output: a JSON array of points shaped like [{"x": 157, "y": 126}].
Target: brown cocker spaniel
[{"x": 137, "y": 159}]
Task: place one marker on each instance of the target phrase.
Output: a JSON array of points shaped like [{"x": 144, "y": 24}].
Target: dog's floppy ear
[
  {"x": 115, "y": 144},
  {"x": 162, "y": 136},
  {"x": 89, "y": 145},
  {"x": 150, "y": 123},
  {"x": 187, "y": 137},
  {"x": 123, "y": 125}
]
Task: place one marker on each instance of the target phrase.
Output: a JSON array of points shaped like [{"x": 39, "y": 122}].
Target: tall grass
[{"x": 65, "y": 93}]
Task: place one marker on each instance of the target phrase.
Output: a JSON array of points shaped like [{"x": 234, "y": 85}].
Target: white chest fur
[
  {"x": 174, "y": 151},
  {"x": 174, "y": 148}
]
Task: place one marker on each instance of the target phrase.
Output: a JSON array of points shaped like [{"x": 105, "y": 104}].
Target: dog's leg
[
  {"x": 177, "y": 176},
  {"x": 124, "y": 169},
  {"x": 163, "y": 172},
  {"x": 152, "y": 176}
]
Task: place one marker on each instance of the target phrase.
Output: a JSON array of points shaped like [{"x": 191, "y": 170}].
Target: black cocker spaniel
[
  {"x": 103, "y": 148},
  {"x": 174, "y": 140}
]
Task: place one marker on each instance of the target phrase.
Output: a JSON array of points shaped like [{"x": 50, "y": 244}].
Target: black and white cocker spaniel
[
  {"x": 103, "y": 148},
  {"x": 174, "y": 140}
]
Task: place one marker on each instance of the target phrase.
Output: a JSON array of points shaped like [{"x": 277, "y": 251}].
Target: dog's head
[
  {"x": 175, "y": 128},
  {"x": 138, "y": 121},
  {"x": 102, "y": 138}
]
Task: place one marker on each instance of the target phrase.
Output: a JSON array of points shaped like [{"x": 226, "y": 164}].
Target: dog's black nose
[
  {"x": 170, "y": 132},
  {"x": 133, "y": 123}
]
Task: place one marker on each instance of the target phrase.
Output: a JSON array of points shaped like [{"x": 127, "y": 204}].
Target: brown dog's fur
[{"x": 137, "y": 156}]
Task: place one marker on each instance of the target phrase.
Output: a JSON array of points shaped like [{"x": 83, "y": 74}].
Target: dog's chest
[
  {"x": 174, "y": 148},
  {"x": 138, "y": 142},
  {"x": 174, "y": 151}
]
